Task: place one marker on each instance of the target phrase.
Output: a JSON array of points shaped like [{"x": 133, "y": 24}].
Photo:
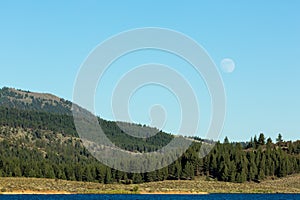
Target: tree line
[{"x": 45, "y": 145}]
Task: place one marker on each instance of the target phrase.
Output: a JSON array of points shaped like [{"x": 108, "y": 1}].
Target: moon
[{"x": 227, "y": 65}]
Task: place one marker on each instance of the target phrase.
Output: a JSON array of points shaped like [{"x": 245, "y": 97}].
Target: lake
[{"x": 163, "y": 197}]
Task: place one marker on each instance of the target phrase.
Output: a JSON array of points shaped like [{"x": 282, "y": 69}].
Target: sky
[{"x": 44, "y": 43}]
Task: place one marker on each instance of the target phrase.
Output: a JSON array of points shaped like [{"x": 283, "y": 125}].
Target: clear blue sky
[{"x": 43, "y": 44}]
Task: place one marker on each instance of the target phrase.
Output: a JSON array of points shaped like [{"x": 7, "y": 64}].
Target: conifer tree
[{"x": 261, "y": 139}]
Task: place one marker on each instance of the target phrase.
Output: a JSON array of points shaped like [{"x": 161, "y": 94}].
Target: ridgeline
[{"x": 38, "y": 139}]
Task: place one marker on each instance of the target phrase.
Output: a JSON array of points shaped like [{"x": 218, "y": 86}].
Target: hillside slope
[
  {"x": 38, "y": 139},
  {"x": 26, "y": 100}
]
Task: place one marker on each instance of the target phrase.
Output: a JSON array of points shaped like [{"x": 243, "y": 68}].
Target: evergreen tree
[
  {"x": 178, "y": 170},
  {"x": 87, "y": 175},
  {"x": 49, "y": 148},
  {"x": 261, "y": 168},
  {"x": 108, "y": 177},
  {"x": 261, "y": 139},
  {"x": 137, "y": 178},
  {"x": 224, "y": 172},
  {"x": 226, "y": 140},
  {"x": 232, "y": 172},
  {"x": 250, "y": 144},
  {"x": 279, "y": 139},
  {"x": 151, "y": 176},
  {"x": 255, "y": 142},
  {"x": 188, "y": 171}
]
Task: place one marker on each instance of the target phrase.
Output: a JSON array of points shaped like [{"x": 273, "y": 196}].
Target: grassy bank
[{"x": 289, "y": 184}]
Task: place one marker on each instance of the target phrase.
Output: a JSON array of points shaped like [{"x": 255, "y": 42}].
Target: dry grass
[
  {"x": 40, "y": 185},
  {"x": 289, "y": 184},
  {"x": 45, "y": 96}
]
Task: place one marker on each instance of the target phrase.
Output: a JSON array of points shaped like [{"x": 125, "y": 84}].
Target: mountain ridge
[
  {"x": 38, "y": 138},
  {"x": 21, "y": 99}
]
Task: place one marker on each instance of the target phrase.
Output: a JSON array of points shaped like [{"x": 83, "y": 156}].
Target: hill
[
  {"x": 26, "y": 100},
  {"x": 38, "y": 139}
]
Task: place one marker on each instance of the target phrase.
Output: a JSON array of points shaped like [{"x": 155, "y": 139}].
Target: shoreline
[
  {"x": 22, "y": 185},
  {"x": 174, "y": 192},
  {"x": 52, "y": 192},
  {"x": 17, "y": 192}
]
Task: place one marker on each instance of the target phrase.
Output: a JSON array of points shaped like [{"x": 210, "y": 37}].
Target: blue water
[{"x": 163, "y": 197}]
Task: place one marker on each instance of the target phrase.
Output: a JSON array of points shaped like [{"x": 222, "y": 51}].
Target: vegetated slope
[
  {"x": 38, "y": 142},
  {"x": 48, "y": 112},
  {"x": 26, "y": 100}
]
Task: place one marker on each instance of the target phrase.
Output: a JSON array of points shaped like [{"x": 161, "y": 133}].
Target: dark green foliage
[
  {"x": 238, "y": 165},
  {"x": 137, "y": 178},
  {"x": 25, "y": 100},
  {"x": 135, "y": 188},
  {"x": 64, "y": 124},
  {"x": 261, "y": 139},
  {"x": 37, "y": 120},
  {"x": 255, "y": 142},
  {"x": 279, "y": 139},
  {"x": 188, "y": 171},
  {"x": 39, "y": 139}
]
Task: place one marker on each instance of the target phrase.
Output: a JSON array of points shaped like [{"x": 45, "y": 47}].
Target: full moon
[{"x": 227, "y": 65}]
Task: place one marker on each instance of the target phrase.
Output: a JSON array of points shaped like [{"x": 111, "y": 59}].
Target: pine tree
[
  {"x": 252, "y": 172},
  {"x": 261, "y": 139},
  {"x": 178, "y": 170},
  {"x": 119, "y": 175},
  {"x": 261, "y": 168},
  {"x": 188, "y": 171},
  {"x": 213, "y": 165},
  {"x": 87, "y": 176},
  {"x": 250, "y": 144},
  {"x": 108, "y": 177},
  {"x": 17, "y": 171},
  {"x": 48, "y": 171},
  {"x": 100, "y": 174},
  {"x": 224, "y": 173},
  {"x": 137, "y": 178},
  {"x": 255, "y": 142},
  {"x": 269, "y": 141},
  {"x": 279, "y": 139},
  {"x": 226, "y": 140},
  {"x": 151, "y": 176},
  {"x": 232, "y": 172}
]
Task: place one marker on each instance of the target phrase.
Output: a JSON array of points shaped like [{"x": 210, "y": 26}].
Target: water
[{"x": 153, "y": 197}]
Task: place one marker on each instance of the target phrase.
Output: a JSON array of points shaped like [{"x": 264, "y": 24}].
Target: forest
[{"x": 44, "y": 144}]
